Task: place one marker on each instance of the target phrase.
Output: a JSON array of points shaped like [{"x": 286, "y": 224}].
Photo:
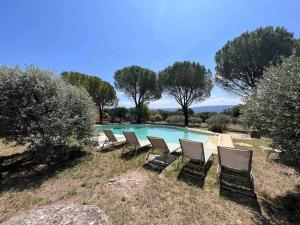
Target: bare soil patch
[{"x": 129, "y": 183}]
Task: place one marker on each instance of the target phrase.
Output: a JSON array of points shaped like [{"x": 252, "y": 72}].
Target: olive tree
[
  {"x": 102, "y": 92},
  {"x": 187, "y": 82},
  {"x": 140, "y": 84},
  {"x": 242, "y": 61},
  {"x": 274, "y": 108},
  {"x": 37, "y": 107}
]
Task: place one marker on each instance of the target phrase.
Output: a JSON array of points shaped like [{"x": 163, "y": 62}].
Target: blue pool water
[{"x": 169, "y": 133}]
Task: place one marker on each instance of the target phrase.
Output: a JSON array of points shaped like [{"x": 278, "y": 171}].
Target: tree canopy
[
  {"x": 138, "y": 83},
  {"x": 187, "y": 82},
  {"x": 274, "y": 108},
  {"x": 37, "y": 107},
  {"x": 242, "y": 61},
  {"x": 102, "y": 92}
]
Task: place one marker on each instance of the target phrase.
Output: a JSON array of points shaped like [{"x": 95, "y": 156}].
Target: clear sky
[{"x": 97, "y": 37}]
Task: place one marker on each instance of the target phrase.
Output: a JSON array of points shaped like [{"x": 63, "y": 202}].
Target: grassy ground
[{"x": 132, "y": 193}]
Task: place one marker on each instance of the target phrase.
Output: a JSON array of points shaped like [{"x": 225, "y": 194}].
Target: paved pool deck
[{"x": 215, "y": 140}]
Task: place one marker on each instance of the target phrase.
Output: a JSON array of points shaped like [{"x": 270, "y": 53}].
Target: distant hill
[{"x": 211, "y": 108}]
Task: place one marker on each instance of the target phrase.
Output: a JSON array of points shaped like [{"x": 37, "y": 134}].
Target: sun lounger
[
  {"x": 110, "y": 139},
  {"x": 235, "y": 164},
  {"x": 159, "y": 145},
  {"x": 133, "y": 142},
  {"x": 195, "y": 151}
]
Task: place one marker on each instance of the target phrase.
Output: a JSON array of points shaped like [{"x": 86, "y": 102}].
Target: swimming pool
[{"x": 169, "y": 133}]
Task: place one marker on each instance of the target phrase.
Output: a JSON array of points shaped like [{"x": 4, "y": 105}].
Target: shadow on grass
[
  {"x": 277, "y": 159},
  {"x": 30, "y": 168},
  {"x": 159, "y": 163},
  {"x": 190, "y": 173},
  {"x": 246, "y": 200},
  {"x": 130, "y": 154},
  {"x": 284, "y": 209},
  {"x": 111, "y": 148}
]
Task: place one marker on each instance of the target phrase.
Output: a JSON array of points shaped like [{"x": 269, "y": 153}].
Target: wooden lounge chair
[
  {"x": 235, "y": 164},
  {"x": 195, "y": 151},
  {"x": 133, "y": 142},
  {"x": 160, "y": 146},
  {"x": 111, "y": 139}
]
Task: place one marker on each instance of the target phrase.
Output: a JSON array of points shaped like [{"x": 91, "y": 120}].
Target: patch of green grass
[
  {"x": 39, "y": 200},
  {"x": 72, "y": 191}
]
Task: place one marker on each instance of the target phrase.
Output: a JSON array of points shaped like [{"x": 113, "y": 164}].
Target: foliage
[
  {"x": 138, "y": 115},
  {"x": 107, "y": 97},
  {"x": 39, "y": 108},
  {"x": 102, "y": 92},
  {"x": 234, "y": 111},
  {"x": 190, "y": 111},
  {"x": 164, "y": 113},
  {"x": 156, "y": 118},
  {"x": 140, "y": 84},
  {"x": 175, "y": 119},
  {"x": 205, "y": 115},
  {"x": 187, "y": 82},
  {"x": 195, "y": 119},
  {"x": 274, "y": 108},
  {"x": 117, "y": 112},
  {"x": 218, "y": 123},
  {"x": 242, "y": 61}
]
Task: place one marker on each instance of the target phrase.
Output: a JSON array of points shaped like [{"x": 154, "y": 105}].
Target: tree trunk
[
  {"x": 138, "y": 115},
  {"x": 100, "y": 115},
  {"x": 186, "y": 115}
]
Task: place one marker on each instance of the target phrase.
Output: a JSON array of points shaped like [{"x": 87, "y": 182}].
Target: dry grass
[{"x": 153, "y": 197}]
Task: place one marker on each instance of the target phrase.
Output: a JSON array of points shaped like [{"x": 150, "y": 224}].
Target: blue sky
[{"x": 97, "y": 37}]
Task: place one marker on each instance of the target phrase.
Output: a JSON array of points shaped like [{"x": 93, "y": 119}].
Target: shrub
[
  {"x": 39, "y": 108},
  {"x": 195, "y": 119},
  {"x": 234, "y": 111},
  {"x": 141, "y": 114},
  {"x": 205, "y": 115},
  {"x": 175, "y": 119},
  {"x": 117, "y": 112},
  {"x": 218, "y": 123},
  {"x": 165, "y": 114},
  {"x": 274, "y": 108},
  {"x": 156, "y": 118}
]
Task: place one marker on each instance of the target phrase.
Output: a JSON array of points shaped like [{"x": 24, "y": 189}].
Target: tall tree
[
  {"x": 274, "y": 108},
  {"x": 187, "y": 82},
  {"x": 242, "y": 61},
  {"x": 140, "y": 84},
  {"x": 107, "y": 98},
  {"x": 102, "y": 92}
]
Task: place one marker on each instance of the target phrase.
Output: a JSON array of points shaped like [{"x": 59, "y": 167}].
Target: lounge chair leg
[
  {"x": 148, "y": 154},
  {"x": 179, "y": 162},
  {"x": 123, "y": 150},
  {"x": 218, "y": 176},
  {"x": 251, "y": 183},
  {"x": 135, "y": 151},
  {"x": 101, "y": 148}
]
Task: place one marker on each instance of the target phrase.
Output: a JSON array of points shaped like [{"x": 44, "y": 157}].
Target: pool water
[{"x": 168, "y": 133}]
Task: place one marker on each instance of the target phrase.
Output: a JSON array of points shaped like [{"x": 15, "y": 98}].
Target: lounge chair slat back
[
  {"x": 192, "y": 149},
  {"x": 131, "y": 138},
  {"x": 158, "y": 143},
  {"x": 109, "y": 134},
  {"x": 235, "y": 158}
]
